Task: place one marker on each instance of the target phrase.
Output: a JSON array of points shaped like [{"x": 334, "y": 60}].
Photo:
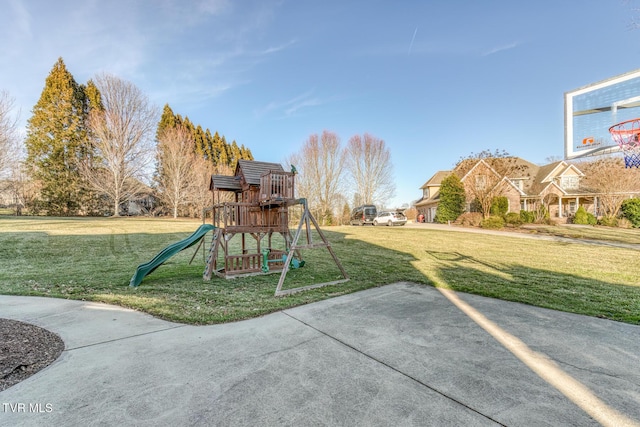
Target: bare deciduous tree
[
  {"x": 8, "y": 133},
  {"x": 200, "y": 195},
  {"x": 175, "y": 167},
  {"x": 121, "y": 136},
  {"x": 23, "y": 190},
  {"x": 320, "y": 166},
  {"x": 369, "y": 163},
  {"x": 609, "y": 178},
  {"x": 484, "y": 173}
]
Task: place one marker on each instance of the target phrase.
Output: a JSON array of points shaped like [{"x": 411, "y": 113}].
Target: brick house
[{"x": 526, "y": 186}]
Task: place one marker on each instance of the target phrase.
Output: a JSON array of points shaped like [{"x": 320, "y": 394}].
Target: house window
[
  {"x": 425, "y": 193},
  {"x": 481, "y": 182},
  {"x": 572, "y": 207},
  {"x": 569, "y": 182}
]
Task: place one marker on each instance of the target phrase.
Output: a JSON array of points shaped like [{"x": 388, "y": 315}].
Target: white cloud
[
  {"x": 291, "y": 106},
  {"x": 275, "y": 49},
  {"x": 211, "y": 7},
  {"x": 501, "y": 48}
]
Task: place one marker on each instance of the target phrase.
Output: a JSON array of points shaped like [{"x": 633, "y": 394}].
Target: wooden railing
[
  {"x": 229, "y": 215},
  {"x": 277, "y": 186},
  {"x": 235, "y": 264}
]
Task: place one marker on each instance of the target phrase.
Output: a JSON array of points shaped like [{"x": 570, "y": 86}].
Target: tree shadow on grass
[
  {"x": 98, "y": 267},
  {"x": 539, "y": 287}
]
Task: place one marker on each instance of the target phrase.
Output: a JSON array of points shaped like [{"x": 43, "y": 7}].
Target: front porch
[{"x": 561, "y": 208}]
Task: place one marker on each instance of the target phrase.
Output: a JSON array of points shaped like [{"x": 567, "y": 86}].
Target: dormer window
[
  {"x": 518, "y": 183},
  {"x": 569, "y": 182}
]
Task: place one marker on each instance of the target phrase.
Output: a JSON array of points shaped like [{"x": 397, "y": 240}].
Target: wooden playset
[{"x": 254, "y": 207}]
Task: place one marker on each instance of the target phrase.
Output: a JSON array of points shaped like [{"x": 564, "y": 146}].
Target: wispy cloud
[
  {"x": 291, "y": 106},
  {"x": 412, "y": 40},
  {"x": 212, "y": 7},
  {"x": 274, "y": 49},
  {"x": 501, "y": 48}
]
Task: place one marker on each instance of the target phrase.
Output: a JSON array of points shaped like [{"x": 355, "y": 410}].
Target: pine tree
[
  {"x": 245, "y": 153},
  {"x": 92, "y": 203},
  {"x": 57, "y": 141},
  {"x": 200, "y": 143},
  {"x": 234, "y": 153},
  {"x": 167, "y": 120},
  {"x": 213, "y": 148},
  {"x": 221, "y": 158}
]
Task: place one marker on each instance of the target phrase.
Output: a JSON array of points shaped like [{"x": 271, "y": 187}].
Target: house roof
[
  {"x": 252, "y": 170},
  {"x": 225, "y": 183},
  {"x": 548, "y": 172},
  {"x": 535, "y": 179},
  {"x": 249, "y": 170},
  {"x": 429, "y": 201},
  {"x": 436, "y": 179}
]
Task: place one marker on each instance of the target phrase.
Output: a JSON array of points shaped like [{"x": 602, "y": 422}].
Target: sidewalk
[{"x": 402, "y": 354}]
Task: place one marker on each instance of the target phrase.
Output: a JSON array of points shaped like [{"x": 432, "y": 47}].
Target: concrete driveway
[{"x": 402, "y": 354}]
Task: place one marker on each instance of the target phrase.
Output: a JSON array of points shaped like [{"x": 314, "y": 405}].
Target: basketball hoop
[{"x": 627, "y": 136}]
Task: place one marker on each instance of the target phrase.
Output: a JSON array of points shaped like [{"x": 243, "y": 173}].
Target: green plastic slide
[{"x": 168, "y": 252}]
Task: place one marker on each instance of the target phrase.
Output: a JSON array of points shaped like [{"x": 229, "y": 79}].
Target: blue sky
[{"x": 436, "y": 80}]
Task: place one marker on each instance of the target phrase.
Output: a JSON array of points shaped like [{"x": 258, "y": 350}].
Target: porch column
[
  {"x": 559, "y": 207},
  {"x": 595, "y": 206}
]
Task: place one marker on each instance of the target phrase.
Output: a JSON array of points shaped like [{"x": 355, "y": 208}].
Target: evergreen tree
[
  {"x": 57, "y": 141},
  {"x": 92, "y": 203},
  {"x": 452, "y": 199},
  {"x": 245, "y": 153},
  {"x": 200, "y": 141},
  {"x": 167, "y": 120},
  {"x": 234, "y": 154},
  {"x": 221, "y": 156},
  {"x": 213, "y": 148}
]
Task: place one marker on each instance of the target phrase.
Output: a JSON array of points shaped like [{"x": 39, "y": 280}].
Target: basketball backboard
[{"x": 591, "y": 110}]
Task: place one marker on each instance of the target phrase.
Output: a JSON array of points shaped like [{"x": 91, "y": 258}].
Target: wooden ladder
[{"x": 213, "y": 254}]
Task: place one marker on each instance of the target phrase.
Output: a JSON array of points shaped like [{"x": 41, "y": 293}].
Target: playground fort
[{"x": 250, "y": 215}]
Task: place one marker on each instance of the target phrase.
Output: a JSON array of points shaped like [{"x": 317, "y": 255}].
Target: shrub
[
  {"x": 631, "y": 210},
  {"x": 581, "y": 216},
  {"x": 624, "y": 223},
  {"x": 591, "y": 219},
  {"x": 452, "y": 199},
  {"x": 527, "y": 217},
  {"x": 472, "y": 219},
  {"x": 493, "y": 222},
  {"x": 542, "y": 215},
  {"x": 609, "y": 221},
  {"x": 513, "y": 219},
  {"x": 499, "y": 206}
]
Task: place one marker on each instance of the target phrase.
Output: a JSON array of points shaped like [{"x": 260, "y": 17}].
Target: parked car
[
  {"x": 390, "y": 218},
  {"x": 364, "y": 214}
]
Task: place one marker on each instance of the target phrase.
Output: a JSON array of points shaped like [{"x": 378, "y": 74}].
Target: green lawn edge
[{"x": 93, "y": 259}]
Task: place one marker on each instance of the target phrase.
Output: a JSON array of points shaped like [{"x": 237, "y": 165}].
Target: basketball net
[{"x": 627, "y": 136}]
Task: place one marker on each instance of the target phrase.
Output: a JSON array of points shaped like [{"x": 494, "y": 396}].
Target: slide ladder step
[{"x": 213, "y": 254}]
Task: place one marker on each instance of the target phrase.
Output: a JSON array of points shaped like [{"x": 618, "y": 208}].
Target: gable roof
[
  {"x": 252, "y": 170},
  {"x": 436, "y": 179},
  {"x": 548, "y": 172},
  {"x": 467, "y": 171}
]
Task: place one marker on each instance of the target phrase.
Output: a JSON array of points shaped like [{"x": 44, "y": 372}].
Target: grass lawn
[{"x": 94, "y": 259}]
